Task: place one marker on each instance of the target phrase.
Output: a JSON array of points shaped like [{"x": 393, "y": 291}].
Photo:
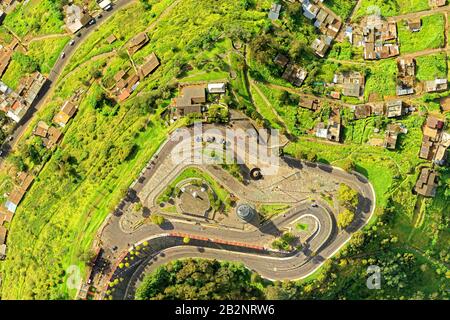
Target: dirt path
[
  {"x": 44, "y": 37},
  {"x": 420, "y": 14}
]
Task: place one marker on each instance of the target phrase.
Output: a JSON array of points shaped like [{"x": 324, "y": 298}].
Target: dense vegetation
[
  {"x": 200, "y": 280},
  {"x": 430, "y": 36},
  {"x": 107, "y": 144}
]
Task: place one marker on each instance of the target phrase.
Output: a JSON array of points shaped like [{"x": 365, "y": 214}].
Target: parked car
[{"x": 72, "y": 42}]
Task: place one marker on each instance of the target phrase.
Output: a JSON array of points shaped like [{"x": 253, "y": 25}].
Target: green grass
[
  {"x": 341, "y": 8},
  {"x": 432, "y": 66},
  {"x": 46, "y": 51},
  {"x": 222, "y": 194},
  {"x": 56, "y": 223},
  {"x": 36, "y": 17},
  {"x": 389, "y": 8},
  {"x": 268, "y": 211},
  {"x": 431, "y": 36},
  {"x": 382, "y": 79}
]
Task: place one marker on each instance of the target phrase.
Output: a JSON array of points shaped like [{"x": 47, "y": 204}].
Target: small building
[
  {"x": 104, "y": 4},
  {"x": 24, "y": 182},
  {"x": 415, "y": 25},
  {"x": 352, "y": 83},
  {"x": 53, "y": 137},
  {"x": 310, "y": 10},
  {"x": 427, "y": 183},
  {"x": 395, "y": 109},
  {"x": 437, "y": 3},
  {"x": 245, "y": 212},
  {"x": 274, "y": 12},
  {"x": 391, "y": 136},
  {"x": 436, "y": 85},
  {"x": 67, "y": 111},
  {"x": 321, "y": 45},
  {"x": 76, "y": 18},
  {"x": 295, "y": 75},
  {"x": 137, "y": 43},
  {"x": 191, "y": 100},
  {"x": 111, "y": 39},
  {"x": 149, "y": 66},
  {"x": 41, "y": 129},
  {"x": 310, "y": 104},
  {"x": 281, "y": 60},
  {"x": 5, "y": 59},
  {"x": 363, "y": 111},
  {"x": 217, "y": 88},
  {"x": 3, "y": 233},
  {"x": 335, "y": 95}
]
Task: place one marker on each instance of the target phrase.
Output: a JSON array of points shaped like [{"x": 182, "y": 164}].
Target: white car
[
  {"x": 72, "y": 42},
  {"x": 63, "y": 54}
]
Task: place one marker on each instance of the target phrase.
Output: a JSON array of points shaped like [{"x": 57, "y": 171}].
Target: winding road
[{"x": 291, "y": 185}]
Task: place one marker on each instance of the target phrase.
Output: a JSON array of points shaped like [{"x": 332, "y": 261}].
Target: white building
[{"x": 216, "y": 88}]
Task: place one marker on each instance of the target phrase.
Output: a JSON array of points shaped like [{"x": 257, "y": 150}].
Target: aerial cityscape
[{"x": 224, "y": 150}]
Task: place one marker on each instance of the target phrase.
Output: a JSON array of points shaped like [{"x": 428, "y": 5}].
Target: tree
[
  {"x": 186, "y": 240},
  {"x": 157, "y": 219},
  {"x": 348, "y": 165},
  {"x": 345, "y": 218},
  {"x": 347, "y": 196}
]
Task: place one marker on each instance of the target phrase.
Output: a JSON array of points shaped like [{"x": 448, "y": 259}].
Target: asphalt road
[
  {"x": 53, "y": 76},
  {"x": 324, "y": 244}
]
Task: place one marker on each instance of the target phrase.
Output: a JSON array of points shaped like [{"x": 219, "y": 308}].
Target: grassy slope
[
  {"x": 390, "y": 8},
  {"x": 432, "y": 66},
  {"x": 431, "y": 36},
  {"x": 36, "y": 17},
  {"x": 60, "y": 211}
]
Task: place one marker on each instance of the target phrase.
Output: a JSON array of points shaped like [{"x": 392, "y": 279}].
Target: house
[
  {"x": 5, "y": 59},
  {"x": 191, "y": 100},
  {"x": 3, "y": 233},
  {"x": 437, "y": 3},
  {"x": 391, "y": 136},
  {"x": 126, "y": 83},
  {"x": 75, "y": 18},
  {"x": 335, "y": 95},
  {"x": 217, "y": 88},
  {"x": 352, "y": 83},
  {"x": 137, "y": 43},
  {"x": 378, "y": 108},
  {"x": 445, "y": 103},
  {"x": 427, "y": 183},
  {"x": 378, "y": 41},
  {"x": 149, "y": 66},
  {"x": 310, "y": 10},
  {"x": 111, "y": 39},
  {"x": 41, "y": 129},
  {"x": 310, "y": 104},
  {"x": 441, "y": 153},
  {"x": 406, "y": 76},
  {"x": 105, "y": 4},
  {"x": 67, "y": 111},
  {"x": 395, "y": 109},
  {"x": 334, "y": 131},
  {"x": 53, "y": 137},
  {"x": 281, "y": 60},
  {"x": 274, "y": 12},
  {"x": 16, "y": 103},
  {"x": 24, "y": 183},
  {"x": 362, "y": 111},
  {"x": 331, "y": 131},
  {"x": 30, "y": 87},
  {"x": 294, "y": 74},
  {"x": 415, "y": 25},
  {"x": 50, "y": 135},
  {"x": 436, "y": 85},
  {"x": 321, "y": 45},
  {"x": 431, "y": 138},
  {"x": 3, "y": 251}
]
